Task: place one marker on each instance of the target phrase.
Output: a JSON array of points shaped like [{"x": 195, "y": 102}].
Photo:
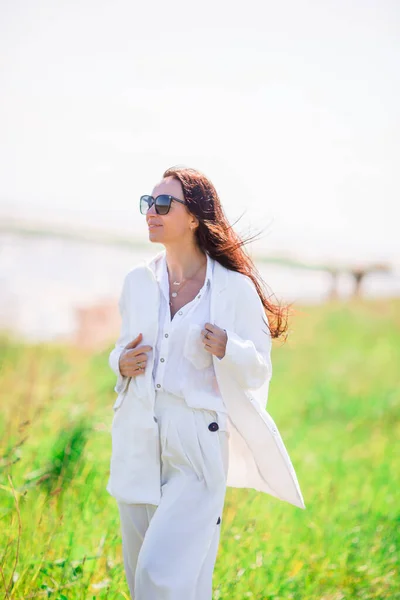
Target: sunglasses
[{"x": 162, "y": 203}]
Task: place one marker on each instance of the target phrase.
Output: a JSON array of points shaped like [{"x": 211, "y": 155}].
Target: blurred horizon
[{"x": 68, "y": 289}]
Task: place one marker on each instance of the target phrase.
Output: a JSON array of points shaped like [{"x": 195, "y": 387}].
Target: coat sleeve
[
  {"x": 248, "y": 348},
  {"x": 122, "y": 341}
]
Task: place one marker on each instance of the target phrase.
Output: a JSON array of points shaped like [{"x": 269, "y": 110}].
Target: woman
[{"x": 193, "y": 369}]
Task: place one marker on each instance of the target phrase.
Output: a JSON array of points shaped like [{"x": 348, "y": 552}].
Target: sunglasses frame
[{"x": 155, "y": 202}]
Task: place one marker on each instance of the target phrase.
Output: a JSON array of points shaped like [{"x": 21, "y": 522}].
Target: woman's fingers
[
  {"x": 138, "y": 350},
  {"x": 214, "y": 339},
  {"x": 134, "y": 361},
  {"x": 134, "y": 343},
  {"x": 138, "y": 363},
  {"x": 139, "y": 357}
]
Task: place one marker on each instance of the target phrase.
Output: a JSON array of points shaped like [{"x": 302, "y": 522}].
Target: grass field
[{"x": 335, "y": 396}]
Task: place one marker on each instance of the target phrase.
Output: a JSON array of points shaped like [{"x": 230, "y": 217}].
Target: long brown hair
[{"x": 215, "y": 236}]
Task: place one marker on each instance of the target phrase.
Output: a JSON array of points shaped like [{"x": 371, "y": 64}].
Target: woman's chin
[{"x": 154, "y": 236}]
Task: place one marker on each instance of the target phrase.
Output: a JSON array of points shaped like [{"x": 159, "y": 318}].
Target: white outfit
[
  {"x": 169, "y": 555},
  {"x": 170, "y": 466}
]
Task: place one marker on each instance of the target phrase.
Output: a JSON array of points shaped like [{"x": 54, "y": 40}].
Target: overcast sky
[{"x": 291, "y": 108}]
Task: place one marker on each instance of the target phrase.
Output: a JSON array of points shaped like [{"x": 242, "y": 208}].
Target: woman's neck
[{"x": 183, "y": 264}]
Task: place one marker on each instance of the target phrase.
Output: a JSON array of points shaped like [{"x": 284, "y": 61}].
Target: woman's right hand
[{"x": 133, "y": 358}]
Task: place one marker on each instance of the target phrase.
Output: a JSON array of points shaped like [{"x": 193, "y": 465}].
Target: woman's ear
[{"x": 194, "y": 224}]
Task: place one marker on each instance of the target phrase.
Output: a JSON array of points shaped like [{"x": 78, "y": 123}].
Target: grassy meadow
[{"x": 335, "y": 396}]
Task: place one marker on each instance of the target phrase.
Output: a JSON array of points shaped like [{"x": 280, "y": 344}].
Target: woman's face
[{"x": 178, "y": 224}]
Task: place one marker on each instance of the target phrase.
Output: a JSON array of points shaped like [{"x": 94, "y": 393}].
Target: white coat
[{"x": 258, "y": 458}]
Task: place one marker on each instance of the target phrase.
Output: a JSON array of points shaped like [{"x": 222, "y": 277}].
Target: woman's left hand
[{"x": 214, "y": 339}]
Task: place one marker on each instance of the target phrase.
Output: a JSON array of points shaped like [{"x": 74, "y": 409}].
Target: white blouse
[{"x": 181, "y": 363}]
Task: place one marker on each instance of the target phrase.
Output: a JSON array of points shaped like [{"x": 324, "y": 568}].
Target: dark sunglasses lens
[
  {"x": 145, "y": 204},
  {"x": 162, "y": 204}
]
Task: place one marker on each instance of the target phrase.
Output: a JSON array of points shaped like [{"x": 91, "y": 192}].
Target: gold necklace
[{"x": 174, "y": 294}]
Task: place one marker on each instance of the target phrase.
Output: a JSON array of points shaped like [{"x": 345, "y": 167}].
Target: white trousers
[{"x": 170, "y": 549}]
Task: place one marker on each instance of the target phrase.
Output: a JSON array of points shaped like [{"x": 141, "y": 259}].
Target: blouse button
[
  {"x": 161, "y": 360},
  {"x": 166, "y": 335},
  {"x": 158, "y": 385},
  {"x": 180, "y": 312}
]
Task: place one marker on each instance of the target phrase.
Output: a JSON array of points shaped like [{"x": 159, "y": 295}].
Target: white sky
[{"x": 291, "y": 108}]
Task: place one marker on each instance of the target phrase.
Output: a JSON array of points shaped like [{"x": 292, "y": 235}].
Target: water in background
[{"x": 43, "y": 281}]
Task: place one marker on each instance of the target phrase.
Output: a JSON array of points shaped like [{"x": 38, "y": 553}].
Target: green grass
[{"x": 335, "y": 397}]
